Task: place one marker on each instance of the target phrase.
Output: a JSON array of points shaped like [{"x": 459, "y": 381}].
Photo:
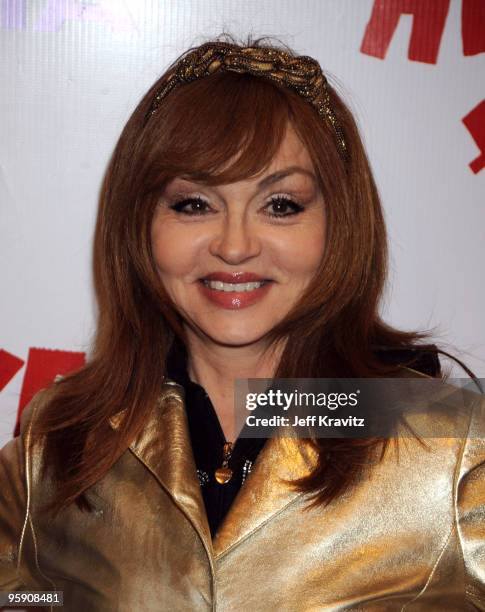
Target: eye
[
  {"x": 282, "y": 203},
  {"x": 198, "y": 206}
]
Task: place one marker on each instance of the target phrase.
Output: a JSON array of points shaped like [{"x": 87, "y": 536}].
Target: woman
[{"x": 239, "y": 235}]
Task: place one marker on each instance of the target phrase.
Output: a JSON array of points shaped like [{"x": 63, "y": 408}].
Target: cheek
[
  {"x": 314, "y": 244},
  {"x": 171, "y": 251},
  {"x": 162, "y": 250},
  {"x": 302, "y": 253}
]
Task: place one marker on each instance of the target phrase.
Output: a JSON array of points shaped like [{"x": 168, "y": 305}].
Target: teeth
[{"x": 220, "y": 286}]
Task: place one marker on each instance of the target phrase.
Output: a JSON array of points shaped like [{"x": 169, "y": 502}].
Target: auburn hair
[{"x": 333, "y": 331}]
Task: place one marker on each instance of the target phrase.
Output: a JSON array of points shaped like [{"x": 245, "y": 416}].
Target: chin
[{"x": 234, "y": 336}]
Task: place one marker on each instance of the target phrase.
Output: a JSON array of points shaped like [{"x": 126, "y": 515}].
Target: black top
[{"x": 208, "y": 439}]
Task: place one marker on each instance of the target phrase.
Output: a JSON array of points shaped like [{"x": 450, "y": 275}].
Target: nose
[{"x": 235, "y": 240}]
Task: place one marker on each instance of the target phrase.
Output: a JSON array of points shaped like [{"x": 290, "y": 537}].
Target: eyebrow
[
  {"x": 277, "y": 176},
  {"x": 281, "y": 174}
]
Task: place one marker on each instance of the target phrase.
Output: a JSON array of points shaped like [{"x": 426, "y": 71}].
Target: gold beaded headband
[{"x": 301, "y": 74}]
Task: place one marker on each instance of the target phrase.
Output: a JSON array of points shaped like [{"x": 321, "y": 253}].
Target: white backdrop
[{"x": 72, "y": 72}]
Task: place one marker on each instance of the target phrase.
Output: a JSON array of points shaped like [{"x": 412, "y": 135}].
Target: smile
[
  {"x": 220, "y": 286},
  {"x": 234, "y": 296}
]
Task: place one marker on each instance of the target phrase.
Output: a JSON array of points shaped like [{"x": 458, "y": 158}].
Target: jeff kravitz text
[{"x": 311, "y": 420}]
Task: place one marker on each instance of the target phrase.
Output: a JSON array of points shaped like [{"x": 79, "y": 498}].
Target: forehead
[
  {"x": 291, "y": 153},
  {"x": 292, "y": 149}
]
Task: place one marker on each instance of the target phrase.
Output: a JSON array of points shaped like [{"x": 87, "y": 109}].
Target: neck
[{"x": 216, "y": 367}]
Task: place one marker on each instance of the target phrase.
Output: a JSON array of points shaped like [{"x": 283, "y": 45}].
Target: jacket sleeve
[
  {"x": 470, "y": 508},
  {"x": 13, "y": 500}
]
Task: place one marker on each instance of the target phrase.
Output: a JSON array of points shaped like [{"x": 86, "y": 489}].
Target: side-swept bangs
[{"x": 218, "y": 129}]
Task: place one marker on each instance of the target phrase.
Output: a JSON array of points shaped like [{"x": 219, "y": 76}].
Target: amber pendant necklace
[{"x": 224, "y": 473}]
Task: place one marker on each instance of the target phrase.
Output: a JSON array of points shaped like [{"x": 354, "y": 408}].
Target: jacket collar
[
  {"x": 164, "y": 447},
  {"x": 265, "y": 493}
]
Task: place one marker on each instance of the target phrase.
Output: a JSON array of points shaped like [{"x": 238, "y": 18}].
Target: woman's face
[{"x": 270, "y": 228}]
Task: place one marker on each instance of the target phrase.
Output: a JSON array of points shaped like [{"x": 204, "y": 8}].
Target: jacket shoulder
[
  {"x": 470, "y": 506},
  {"x": 13, "y": 493}
]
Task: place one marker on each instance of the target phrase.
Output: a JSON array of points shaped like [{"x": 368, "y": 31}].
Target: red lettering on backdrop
[
  {"x": 9, "y": 366},
  {"x": 475, "y": 123},
  {"x": 43, "y": 365},
  {"x": 429, "y": 18},
  {"x": 473, "y": 26}
]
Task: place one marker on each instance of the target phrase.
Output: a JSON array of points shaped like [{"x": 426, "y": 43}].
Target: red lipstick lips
[{"x": 234, "y": 300}]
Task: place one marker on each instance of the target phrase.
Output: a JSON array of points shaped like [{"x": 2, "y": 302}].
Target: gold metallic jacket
[{"x": 410, "y": 536}]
